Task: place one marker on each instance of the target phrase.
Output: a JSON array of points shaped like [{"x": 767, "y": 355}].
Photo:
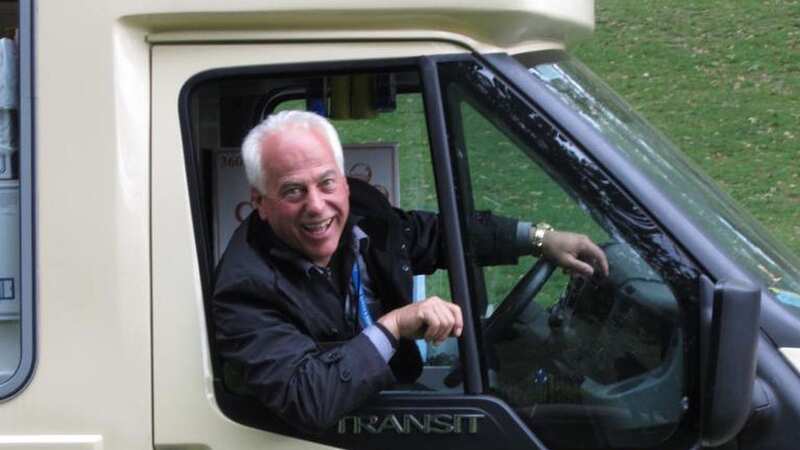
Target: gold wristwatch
[{"x": 537, "y": 237}]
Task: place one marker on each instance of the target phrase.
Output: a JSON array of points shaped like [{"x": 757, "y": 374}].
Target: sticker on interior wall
[{"x": 6, "y": 289}]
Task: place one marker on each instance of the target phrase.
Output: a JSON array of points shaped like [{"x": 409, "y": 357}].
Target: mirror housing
[{"x": 729, "y": 331}]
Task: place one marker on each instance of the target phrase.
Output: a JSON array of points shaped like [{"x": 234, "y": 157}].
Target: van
[{"x": 127, "y": 184}]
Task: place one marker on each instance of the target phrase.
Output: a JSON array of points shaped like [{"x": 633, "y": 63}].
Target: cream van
[{"x": 121, "y": 183}]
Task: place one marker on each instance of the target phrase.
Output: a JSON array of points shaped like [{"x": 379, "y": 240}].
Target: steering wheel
[
  {"x": 518, "y": 299},
  {"x": 515, "y": 302}
]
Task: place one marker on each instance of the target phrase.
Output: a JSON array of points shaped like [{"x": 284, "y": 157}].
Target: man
[{"x": 313, "y": 295}]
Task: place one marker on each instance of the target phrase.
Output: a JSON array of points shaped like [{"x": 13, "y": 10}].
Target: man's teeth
[{"x": 319, "y": 226}]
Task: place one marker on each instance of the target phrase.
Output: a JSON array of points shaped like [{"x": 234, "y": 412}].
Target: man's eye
[
  {"x": 328, "y": 184},
  {"x": 292, "y": 193}
]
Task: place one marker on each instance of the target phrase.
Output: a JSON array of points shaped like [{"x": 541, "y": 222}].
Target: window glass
[
  {"x": 507, "y": 182},
  {"x": 586, "y": 363},
  {"x": 11, "y": 202},
  {"x": 10, "y": 333},
  {"x": 745, "y": 240}
]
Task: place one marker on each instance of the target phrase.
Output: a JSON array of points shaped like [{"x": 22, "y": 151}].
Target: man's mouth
[{"x": 317, "y": 228}]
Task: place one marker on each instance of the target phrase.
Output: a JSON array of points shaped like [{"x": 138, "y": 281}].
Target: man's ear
[
  {"x": 257, "y": 200},
  {"x": 255, "y": 197}
]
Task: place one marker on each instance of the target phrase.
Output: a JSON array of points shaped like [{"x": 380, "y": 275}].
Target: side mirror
[{"x": 729, "y": 330}]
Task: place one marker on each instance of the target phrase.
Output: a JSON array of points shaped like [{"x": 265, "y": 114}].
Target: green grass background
[{"x": 721, "y": 78}]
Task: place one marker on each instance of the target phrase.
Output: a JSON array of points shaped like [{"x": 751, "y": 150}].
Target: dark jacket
[{"x": 301, "y": 361}]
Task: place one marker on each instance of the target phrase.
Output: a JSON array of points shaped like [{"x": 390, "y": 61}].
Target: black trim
[
  {"x": 22, "y": 376},
  {"x": 448, "y": 211},
  {"x": 536, "y": 57}
]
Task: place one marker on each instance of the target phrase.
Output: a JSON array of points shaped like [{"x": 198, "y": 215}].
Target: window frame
[
  {"x": 22, "y": 376},
  {"x": 248, "y": 411}
]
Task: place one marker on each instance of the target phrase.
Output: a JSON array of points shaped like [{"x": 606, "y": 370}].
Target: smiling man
[
  {"x": 312, "y": 303},
  {"x": 305, "y": 197}
]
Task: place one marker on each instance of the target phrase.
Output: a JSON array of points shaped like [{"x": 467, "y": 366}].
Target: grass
[{"x": 722, "y": 80}]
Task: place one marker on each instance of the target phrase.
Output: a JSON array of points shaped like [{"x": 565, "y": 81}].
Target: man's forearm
[{"x": 498, "y": 240}]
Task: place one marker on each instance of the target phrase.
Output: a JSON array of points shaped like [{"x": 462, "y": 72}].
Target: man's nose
[{"x": 315, "y": 201}]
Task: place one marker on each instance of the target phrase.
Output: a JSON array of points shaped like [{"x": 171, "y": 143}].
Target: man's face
[{"x": 307, "y": 198}]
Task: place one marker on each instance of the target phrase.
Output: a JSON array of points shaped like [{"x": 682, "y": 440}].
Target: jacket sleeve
[
  {"x": 285, "y": 369},
  {"x": 492, "y": 239}
]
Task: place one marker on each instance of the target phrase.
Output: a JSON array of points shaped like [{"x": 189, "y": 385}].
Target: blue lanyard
[{"x": 364, "y": 316}]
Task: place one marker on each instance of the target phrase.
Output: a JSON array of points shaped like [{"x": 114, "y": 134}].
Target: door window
[
  {"x": 385, "y": 143},
  {"x": 586, "y": 363}
]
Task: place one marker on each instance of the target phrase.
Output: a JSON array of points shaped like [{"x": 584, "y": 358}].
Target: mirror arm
[{"x": 729, "y": 331}]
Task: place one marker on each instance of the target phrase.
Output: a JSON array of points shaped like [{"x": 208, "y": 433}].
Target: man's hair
[{"x": 275, "y": 123}]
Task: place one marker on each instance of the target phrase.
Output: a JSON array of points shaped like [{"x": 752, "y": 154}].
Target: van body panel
[
  {"x": 92, "y": 276},
  {"x": 792, "y": 355},
  {"x": 52, "y": 442},
  {"x": 200, "y": 37},
  {"x": 508, "y": 24}
]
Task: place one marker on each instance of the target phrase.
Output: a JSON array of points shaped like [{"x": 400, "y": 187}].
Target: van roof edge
[{"x": 503, "y": 25}]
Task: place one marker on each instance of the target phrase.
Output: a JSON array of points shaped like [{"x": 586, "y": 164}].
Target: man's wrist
[
  {"x": 391, "y": 337},
  {"x": 381, "y": 340},
  {"x": 537, "y": 234},
  {"x": 389, "y": 325}
]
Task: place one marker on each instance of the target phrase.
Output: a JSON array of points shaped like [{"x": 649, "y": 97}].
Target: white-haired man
[{"x": 313, "y": 295}]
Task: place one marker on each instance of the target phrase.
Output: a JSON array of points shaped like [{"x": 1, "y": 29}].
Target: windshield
[{"x": 737, "y": 233}]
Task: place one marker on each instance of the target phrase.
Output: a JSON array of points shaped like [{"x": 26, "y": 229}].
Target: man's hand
[
  {"x": 433, "y": 318},
  {"x": 575, "y": 253}
]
